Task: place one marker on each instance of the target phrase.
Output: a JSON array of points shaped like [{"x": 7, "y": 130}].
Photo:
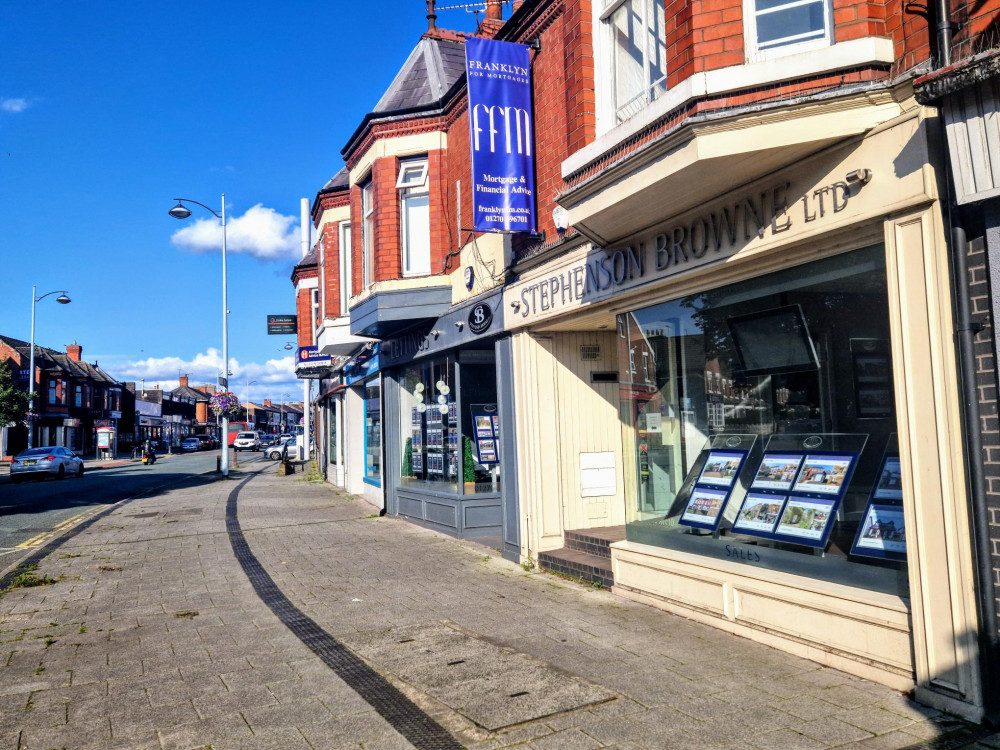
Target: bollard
[{"x": 218, "y": 464}]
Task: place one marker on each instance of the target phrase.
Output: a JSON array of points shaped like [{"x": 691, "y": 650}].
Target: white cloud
[
  {"x": 14, "y": 105},
  {"x": 261, "y": 232},
  {"x": 274, "y": 377}
]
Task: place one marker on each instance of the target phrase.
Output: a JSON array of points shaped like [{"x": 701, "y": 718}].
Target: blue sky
[{"x": 109, "y": 111}]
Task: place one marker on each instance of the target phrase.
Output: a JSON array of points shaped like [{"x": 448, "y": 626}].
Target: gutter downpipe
[{"x": 965, "y": 333}]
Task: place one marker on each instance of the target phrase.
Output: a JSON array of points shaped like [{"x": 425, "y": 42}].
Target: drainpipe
[
  {"x": 966, "y": 330},
  {"x": 945, "y": 31}
]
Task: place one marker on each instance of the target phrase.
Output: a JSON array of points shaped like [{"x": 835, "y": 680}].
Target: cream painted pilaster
[
  {"x": 930, "y": 441},
  {"x": 539, "y": 489}
]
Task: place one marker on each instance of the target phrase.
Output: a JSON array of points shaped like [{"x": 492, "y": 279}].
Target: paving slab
[{"x": 211, "y": 615}]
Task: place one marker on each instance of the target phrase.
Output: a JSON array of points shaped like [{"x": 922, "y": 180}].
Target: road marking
[
  {"x": 40, "y": 539},
  {"x": 9, "y": 551}
]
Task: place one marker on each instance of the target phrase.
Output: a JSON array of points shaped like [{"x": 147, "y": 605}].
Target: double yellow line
[{"x": 40, "y": 539}]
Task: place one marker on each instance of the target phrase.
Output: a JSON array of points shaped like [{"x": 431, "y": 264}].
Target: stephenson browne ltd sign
[{"x": 502, "y": 129}]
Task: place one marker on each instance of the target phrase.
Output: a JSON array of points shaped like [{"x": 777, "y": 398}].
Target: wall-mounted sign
[
  {"x": 310, "y": 364},
  {"x": 282, "y": 324},
  {"x": 501, "y": 135},
  {"x": 480, "y": 317}
]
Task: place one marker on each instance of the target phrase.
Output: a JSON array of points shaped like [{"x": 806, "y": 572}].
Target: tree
[{"x": 13, "y": 401}]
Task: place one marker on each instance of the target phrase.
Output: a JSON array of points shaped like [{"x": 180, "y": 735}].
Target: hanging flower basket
[
  {"x": 30, "y": 417},
  {"x": 224, "y": 403}
]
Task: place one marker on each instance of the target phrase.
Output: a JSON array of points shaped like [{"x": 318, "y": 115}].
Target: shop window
[
  {"x": 637, "y": 45},
  {"x": 373, "y": 432},
  {"x": 367, "y": 234},
  {"x": 449, "y": 424},
  {"x": 415, "y": 217},
  {"x": 431, "y": 438},
  {"x": 781, "y": 27},
  {"x": 775, "y": 440}
]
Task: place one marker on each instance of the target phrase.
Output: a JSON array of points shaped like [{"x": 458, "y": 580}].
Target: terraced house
[{"x": 720, "y": 372}]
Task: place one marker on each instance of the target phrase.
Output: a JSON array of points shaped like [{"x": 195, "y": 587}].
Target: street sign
[{"x": 282, "y": 325}]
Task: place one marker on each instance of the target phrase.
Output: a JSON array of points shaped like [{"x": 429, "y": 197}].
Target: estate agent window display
[
  {"x": 770, "y": 437},
  {"x": 445, "y": 439}
]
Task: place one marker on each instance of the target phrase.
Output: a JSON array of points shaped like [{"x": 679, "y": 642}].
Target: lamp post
[
  {"x": 180, "y": 211},
  {"x": 249, "y": 383},
  {"x": 62, "y": 299}
]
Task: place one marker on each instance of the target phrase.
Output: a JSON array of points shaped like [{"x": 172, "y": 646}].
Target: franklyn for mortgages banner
[{"x": 502, "y": 131}]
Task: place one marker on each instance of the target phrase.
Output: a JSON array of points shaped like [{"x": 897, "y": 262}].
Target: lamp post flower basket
[
  {"x": 224, "y": 403},
  {"x": 30, "y": 417}
]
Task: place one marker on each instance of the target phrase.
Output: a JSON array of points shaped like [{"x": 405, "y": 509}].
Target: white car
[{"x": 246, "y": 441}]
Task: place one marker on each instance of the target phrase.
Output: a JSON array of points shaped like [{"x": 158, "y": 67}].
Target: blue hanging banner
[{"x": 501, "y": 128}]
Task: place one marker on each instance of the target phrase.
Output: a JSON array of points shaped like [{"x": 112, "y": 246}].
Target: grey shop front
[{"x": 449, "y": 442}]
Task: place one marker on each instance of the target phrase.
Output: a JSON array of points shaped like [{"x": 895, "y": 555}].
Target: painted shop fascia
[
  {"x": 475, "y": 319},
  {"x": 838, "y": 189}
]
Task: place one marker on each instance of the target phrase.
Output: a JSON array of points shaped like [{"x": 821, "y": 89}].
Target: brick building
[
  {"x": 73, "y": 397},
  {"x": 720, "y": 374}
]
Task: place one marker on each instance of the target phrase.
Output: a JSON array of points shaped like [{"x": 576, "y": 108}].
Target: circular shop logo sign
[{"x": 480, "y": 318}]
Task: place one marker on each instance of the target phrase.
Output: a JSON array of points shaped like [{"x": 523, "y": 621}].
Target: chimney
[
  {"x": 74, "y": 351},
  {"x": 431, "y": 19},
  {"x": 493, "y": 21},
  {"x": 184, "y": 381},
  {"x": 267, "y": 402}
]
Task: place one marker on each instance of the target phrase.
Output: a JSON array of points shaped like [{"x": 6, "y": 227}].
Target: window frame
[
  {"x": 367, "y": 232},
  {"x": 755, "y": 53},
  {"x": 609, "y": 108},
  {"x": 410, "y": 190},
  {"x": 345, "y": 268}
]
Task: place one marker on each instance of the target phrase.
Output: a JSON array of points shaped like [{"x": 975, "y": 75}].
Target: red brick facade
[{"x": 700, "y": 35}]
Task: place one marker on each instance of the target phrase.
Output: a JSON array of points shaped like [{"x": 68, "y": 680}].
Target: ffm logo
[{"x": 514, "y": 121}]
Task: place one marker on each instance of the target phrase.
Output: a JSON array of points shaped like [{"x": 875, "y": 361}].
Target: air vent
[
  {"x": 590, "y": 352},
  {"x": 608, "y": 376}
]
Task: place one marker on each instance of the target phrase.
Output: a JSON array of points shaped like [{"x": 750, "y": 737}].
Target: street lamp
[
  {"x": 180, "y": 211},
  {"x": 249, "y": 383},
  {"x": 62, "y": 299}
]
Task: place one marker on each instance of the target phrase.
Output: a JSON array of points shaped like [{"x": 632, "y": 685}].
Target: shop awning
[
  {"x": 389, "y": 312},
  {"x": 335, "y": 338}
]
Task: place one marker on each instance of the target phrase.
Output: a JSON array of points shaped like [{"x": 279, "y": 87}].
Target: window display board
[
  {"x": 714, "y": 481},
  {"x": 487, "y": 427},
  {"x": 882, "y": 532},
  {"x": 798, "y": 486}
]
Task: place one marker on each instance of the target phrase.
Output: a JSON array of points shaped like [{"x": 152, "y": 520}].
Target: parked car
[
  {"x": 267, "y": 439},
  {"x": 54, "y": 460},
  {"x": 207, "y": 442},
  {"x": 191, "y": 444},
  {"x": 246, "y": 441},
  {"x": 279, "y": 451}
]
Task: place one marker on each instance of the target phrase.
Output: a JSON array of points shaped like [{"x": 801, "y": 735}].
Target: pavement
[{"x": 276, "y": 612}]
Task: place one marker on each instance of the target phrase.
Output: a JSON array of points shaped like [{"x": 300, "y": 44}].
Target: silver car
[{"x": 53, "y": 459}]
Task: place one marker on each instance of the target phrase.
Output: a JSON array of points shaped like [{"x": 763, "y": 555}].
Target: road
[{"x": 34, "y": 511}]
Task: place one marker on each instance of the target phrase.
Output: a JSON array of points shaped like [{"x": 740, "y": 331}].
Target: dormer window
[
  {"x": 415, "y": 216},
  {"x": 638, "y": 53},
  {"x": 781, "y": 27}
]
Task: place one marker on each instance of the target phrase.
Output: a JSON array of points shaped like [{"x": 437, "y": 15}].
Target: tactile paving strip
[{"x": 399, "y": 711}]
